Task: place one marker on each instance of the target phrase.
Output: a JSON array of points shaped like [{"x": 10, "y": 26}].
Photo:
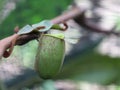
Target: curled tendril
[
  {"x": 65, "y": 26},
  {"x": 8, "y": 52}
]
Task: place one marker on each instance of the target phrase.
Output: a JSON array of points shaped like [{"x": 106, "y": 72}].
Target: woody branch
[{"x": 75, "y": 13}]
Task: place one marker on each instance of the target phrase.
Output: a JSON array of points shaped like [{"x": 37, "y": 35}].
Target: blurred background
[{"x": 91, "y": 64}]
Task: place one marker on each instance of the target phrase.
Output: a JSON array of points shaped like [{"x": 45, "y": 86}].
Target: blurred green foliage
[
  {"x": 2, "y": 2},
  {"x": 30, "y": 12},
  {"x": 90, "y": 66}
]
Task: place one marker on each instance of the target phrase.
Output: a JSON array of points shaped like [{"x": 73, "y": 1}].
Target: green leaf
[
  {"x": 48, "y": 24},
  {"x": 26, "y": 29}
]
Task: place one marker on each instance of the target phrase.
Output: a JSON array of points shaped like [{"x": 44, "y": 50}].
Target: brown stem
[{"x": 5, "y": 43}]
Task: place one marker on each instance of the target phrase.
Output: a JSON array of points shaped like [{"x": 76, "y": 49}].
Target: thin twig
[{"x": 74, "y": 12}]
